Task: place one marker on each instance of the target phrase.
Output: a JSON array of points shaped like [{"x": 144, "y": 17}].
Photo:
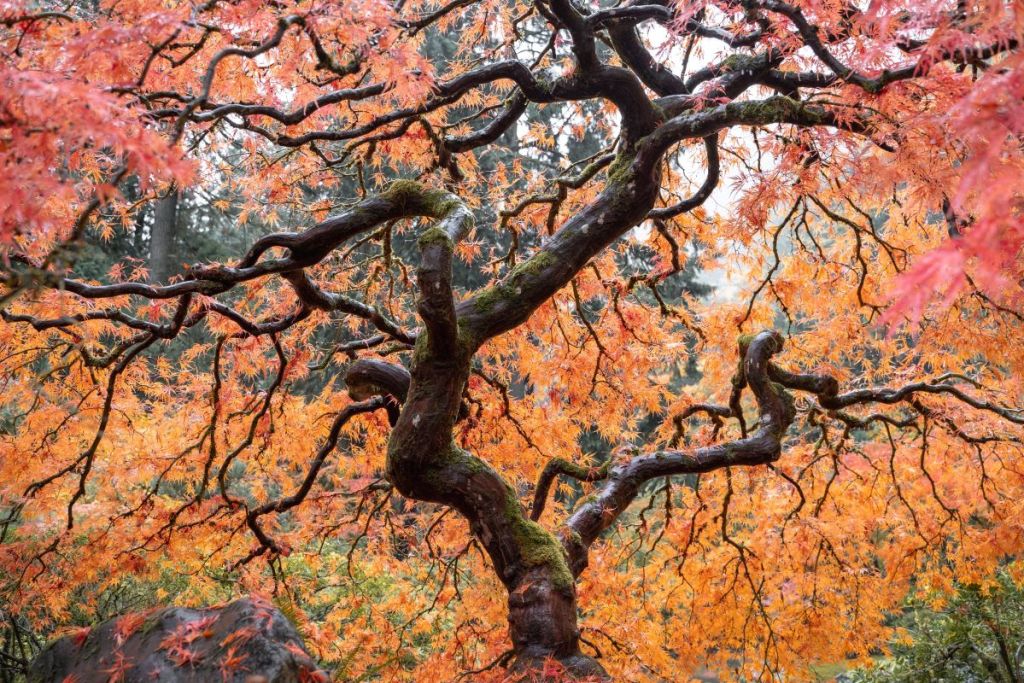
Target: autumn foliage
[{"x": 846, "y": 175}]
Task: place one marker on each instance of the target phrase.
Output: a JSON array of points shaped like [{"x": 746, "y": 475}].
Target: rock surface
[{"x": 246, "y": 641}]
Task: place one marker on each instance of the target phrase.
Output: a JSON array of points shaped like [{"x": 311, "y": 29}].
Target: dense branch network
[{"x": 659, "y": 109}]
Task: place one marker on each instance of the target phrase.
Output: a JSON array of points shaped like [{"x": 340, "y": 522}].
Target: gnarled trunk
[
  {"x": 423, "y": 461},
  {"x": 542, "y": 625},
  {"x": 423, "y": 464}
]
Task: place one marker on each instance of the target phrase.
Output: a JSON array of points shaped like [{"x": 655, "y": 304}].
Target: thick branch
[
  {"x": 775, "y": 408},
  {"x": 826, "y": 388},
  {"x": 560, "y": 466},
  {"x": 367, "y": 377}
]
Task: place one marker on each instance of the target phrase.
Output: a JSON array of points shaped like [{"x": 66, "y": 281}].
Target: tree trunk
[
  {"x": 161, "y": 239},
  {"x": 424, "y": 464},
  {"x": 542, "y": 625}
]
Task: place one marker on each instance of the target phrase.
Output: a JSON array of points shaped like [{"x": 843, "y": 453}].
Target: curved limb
[
  {"x": 560, "y": 466},
  {"x": 826, "y": 389},
  {"x": 776, "y": 412}
]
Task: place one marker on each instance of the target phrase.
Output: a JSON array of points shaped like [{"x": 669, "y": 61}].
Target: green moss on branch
[
  {"x": 434, "y": 235},
  {"x": 538, "y": 547},
  {"x": 508, "y": 288},
  {"x": 418, "y": 197},
  {"x": 621, "y": 170}
]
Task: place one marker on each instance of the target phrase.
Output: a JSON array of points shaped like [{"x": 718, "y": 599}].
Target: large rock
[{"x": 246, "y": 641}]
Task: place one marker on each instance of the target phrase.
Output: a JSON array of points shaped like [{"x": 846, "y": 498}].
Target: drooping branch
[
  {"x": 705, "y": 190},
  {"x": 493, "y": 130},
  {"x": 420, "y": 23},
  {"x": 286, "y": 503},
  {"x": 209, "y": 111},
  {"x": 811, "y": 37},
  {"x": 313, "y": 296},
  {"x": 662, "y": 12}
]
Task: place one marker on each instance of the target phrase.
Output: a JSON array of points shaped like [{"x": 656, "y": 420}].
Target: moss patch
[
  {"x": 420, "y": 198},
  {"x": 738, "y": 62},
  {"x": 537, "y": 546},
  {"x": 467, "y": 461},
  {"x": 419, "y": 349},
  {"x": 402, "y": 191},
  {"x": 490, "y": 297},
  {"x": 620, "y": 170},
  {"x": 434, "y": 235},
  {"x": 467, "y": 338},
  {"x": 454, "y": 458},
  {"x": 774, "y": 110},
  {"x": 743, "y": 342},
  {"x": 507, "y": 288},
  {"x": 540, "y": 261}
]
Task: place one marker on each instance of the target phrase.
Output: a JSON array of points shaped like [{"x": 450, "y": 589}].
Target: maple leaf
[
  {"x": 119, "y": 668},
  {"x": 231, "y": 662},
  {"x": 127, "y": 625},
  {"x": 79, "y": 636}
]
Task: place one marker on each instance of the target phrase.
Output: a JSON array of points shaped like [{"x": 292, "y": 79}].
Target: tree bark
[
  {"x": 162, "y": 235},
  {"x": 542, "y": 620},
  {"x": 424, "y": 462}
]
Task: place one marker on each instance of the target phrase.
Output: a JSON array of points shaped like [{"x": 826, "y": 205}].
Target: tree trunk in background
[{"x": 161, "y": 239}]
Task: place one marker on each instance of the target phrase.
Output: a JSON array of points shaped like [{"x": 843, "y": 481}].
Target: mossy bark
[{"x": 424, "y": 462}]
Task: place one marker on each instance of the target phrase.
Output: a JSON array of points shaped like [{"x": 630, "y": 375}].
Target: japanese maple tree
[{"x": 440, "y": 408}]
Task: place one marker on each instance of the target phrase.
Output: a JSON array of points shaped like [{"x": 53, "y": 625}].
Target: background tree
[
  {"x": 469, "y": 334},
  {"x": 976, "y": 634}
]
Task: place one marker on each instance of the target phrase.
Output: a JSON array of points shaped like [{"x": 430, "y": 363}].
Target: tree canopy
[{"x": 460, "y": 404}]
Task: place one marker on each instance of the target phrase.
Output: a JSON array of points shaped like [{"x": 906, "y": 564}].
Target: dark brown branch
[
  {"x": 809, "y": 33},
  {"x": 268, "y": 397},
  {"x": 313, "y": 296},
  {"x": 773, "y": 110},
  {"x": 288, "y": 502},
  {"x": 211, "y": 111},
  {"x": 416, "y": 25},
  {"x": 705, "y": 190},
  {"x": 625, "y": 480},
  {"x": 493, "y": 130},
  {"x": 826, "y": 388},
  {"x": 559, "y": 466},
  {"x": 367, "y": 377},
  {"x": 11, "y": 20}
]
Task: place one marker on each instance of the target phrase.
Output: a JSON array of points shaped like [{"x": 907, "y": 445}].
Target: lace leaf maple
[{"x": 457, "y": 361}]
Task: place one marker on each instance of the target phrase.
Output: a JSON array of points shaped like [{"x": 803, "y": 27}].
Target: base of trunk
[
  {"x": 542, "y": 623},
  {"x": 538, "y": 664}
]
